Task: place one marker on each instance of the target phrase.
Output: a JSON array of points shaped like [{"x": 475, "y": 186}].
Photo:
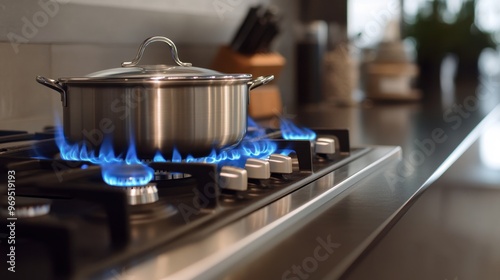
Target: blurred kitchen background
[{"x": 343, "y": 51}]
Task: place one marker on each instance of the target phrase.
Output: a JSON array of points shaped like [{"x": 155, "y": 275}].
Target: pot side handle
[
  {"x": 262, "y": 80},
  {"x": 55, "y": 85}
]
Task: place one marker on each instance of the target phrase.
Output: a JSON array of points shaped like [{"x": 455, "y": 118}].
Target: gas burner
[
  {"x": 127, "y": 175},
  {"x": 28, "y": 207},
  {"x": 139, "y": 195}
]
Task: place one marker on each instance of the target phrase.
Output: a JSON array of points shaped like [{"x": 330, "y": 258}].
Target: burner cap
[
  {"x": 127, "y": 175},
  {"x": 142, "y": 194}
]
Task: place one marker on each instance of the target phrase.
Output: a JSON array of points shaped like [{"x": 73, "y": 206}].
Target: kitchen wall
[{"x": 57, "y": 38}]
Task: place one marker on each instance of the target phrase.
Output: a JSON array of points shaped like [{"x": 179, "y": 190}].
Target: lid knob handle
[{"x": 173, "y": 50}]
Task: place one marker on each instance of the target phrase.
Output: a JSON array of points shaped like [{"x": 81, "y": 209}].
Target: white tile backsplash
[
  {"x": 80, "y": 60},
  {"x": 22, "y": 99},
  {"x": 119, "y": 21}
]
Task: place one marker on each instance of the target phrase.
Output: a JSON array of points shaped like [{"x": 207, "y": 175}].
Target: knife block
[{"x": 265, "y": 101}]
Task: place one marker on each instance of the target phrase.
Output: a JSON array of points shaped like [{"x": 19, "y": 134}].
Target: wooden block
[
  {"x": 265, "y": 101},
  {"x": 262, "y": 64}
]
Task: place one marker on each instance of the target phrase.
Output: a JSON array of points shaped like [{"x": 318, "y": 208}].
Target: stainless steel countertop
[
  {"x": 452, "y": 231},
  {"x": 433, "y": 133}
]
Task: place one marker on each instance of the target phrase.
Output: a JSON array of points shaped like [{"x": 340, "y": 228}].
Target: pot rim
[{"x": 223, "y": 78}]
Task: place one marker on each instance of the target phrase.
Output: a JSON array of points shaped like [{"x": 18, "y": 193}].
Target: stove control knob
[
  {"x": 233, "y": 178},
  {"x": 325, "y": 146},
  {"x": 258, "y": 168},
  {"x": 280, "y": 164}
]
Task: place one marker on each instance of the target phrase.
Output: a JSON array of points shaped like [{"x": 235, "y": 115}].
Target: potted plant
[{"x": 436, "y": 35}]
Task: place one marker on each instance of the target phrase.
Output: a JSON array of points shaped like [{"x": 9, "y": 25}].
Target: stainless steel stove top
[{"x": 194, "y": 220}]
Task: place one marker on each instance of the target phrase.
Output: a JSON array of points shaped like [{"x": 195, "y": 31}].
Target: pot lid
[
  {"x": 164, "y": 72},
  {"x": 132, "y": 71}
]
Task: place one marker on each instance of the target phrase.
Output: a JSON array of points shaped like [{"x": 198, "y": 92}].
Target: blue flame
[
  {"x": 159, "y": 157},
  {"x": 235, "y": 157},
  {"x": 286, "y": 152},
  {"x": 245, "y": 150},
  {"x": 116, "y": 170},
  {"x": 176, "y": 156},
  {"x": 254, "y": 130},
  {"x": 129, "y": 170},
  {"x": 126, "y": 175},
  {"x": 84, "y": 152},
  {"x": 251, "y": 123},
  {"x": 290, "y": 131}
]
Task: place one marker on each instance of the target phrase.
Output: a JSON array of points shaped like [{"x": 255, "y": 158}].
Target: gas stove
[{"x": 188, "y": 219}]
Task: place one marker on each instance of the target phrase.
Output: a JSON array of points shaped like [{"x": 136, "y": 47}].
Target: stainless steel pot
[{"x": 157, "y": 107}]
